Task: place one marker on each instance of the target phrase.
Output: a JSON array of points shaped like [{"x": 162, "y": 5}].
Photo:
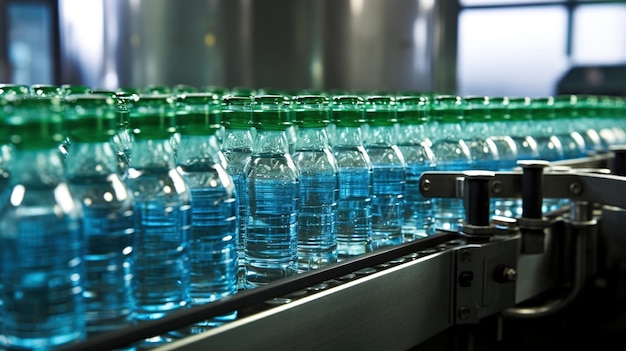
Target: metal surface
[
  {"x": 281, "y": 44},
  {"x": 394, "y": 309}
]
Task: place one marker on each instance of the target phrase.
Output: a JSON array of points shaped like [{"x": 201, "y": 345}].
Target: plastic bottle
[
  {"x": 41, "y": 237},
  {"x": 237, "y": 148},
  {"x": 122, "y": 140},
  {"x": 414, "y": 144},
  {"x": 273, "y": 187},
  {"x": 162, "y": 210},
  {"x": 543, "y": 130},
  {"x": 213, "y": 239},
  {"x": 388, "y": 171},
  {"x": 565, "y": 128},
  {"x": 354, "y": 205},
  {"x": 501, "y": 133},
  {"x": 476, "y": 133},
  {"x": 452, "y": 154},
  {"x": 317, "y": 215},
  {"x": 108, "y": 219},
  {"x": 520, "y": 128}
]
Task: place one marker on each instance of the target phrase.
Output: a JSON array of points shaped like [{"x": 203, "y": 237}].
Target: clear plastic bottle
[
  {"x": 388, "y": 171},
  {"x": 543, "y": 129},
  {"x": 273, "y": 187},
  {"x": 162, "y": 210},
  {"x": 414, "y": 144},
  {"x": 41, "y": 237},
  {"x": 452, "y": 154},
  {"x": 108, "y": 219},
  {"x": 354, "y": 206},
  {"x": 214, "y": 231},
  {"x": 520, "y": 128},
  {"x": 476, "y": 133},
  {"x": 565, "y": 128},
  {"x": 317, "y": 215},
  {"x": 237, "y": 148},
  {"x": 501, "y": 133}
]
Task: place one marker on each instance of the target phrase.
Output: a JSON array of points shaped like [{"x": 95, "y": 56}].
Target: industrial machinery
[{"x": 538, "y": 281}]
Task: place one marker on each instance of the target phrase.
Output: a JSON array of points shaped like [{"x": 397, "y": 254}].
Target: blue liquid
[
  {"x": 317, "y": 221},
  {"x": 162, "y": 225},
  {"x": 271, "y": 237},
  {"x": 213, "y": 242},
  {"x": 237, "y": 159},
  {"x": 418, "y": 210},
  {"x": 42, "y": 272},
  {"x": 452, "y": 155},
  {"x": 354, "y": 206},
  {"x": 573, "y": 145},
  {"x": 109, "y": 233},
  {"x": 526, "y": 148},
  {"x": 549, "y": 148},
  {"x": 388, "y": 189}
]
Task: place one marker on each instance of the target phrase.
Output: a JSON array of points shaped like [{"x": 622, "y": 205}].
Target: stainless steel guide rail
[{"x": 399, "y": 298}]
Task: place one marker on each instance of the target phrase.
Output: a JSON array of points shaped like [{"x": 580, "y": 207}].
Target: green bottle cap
[
  {"x": 566, "y": 106},
  {"x": 311, "y": 111},
  {"x": 45, "y": 90},
  {"x": 13, "y": 89},
  {"x": 91, "y": 117},
  {"x": 347, "y": 111},
  {"x": 129, "y": 91},
  {"x": 217, "y": 90},
  {"x": 412, "y": 109},
  {"x": 271, "y": 112},
  {"x": 542, "y": 108},
  {"x": 380, "y": 110},
  {"x": 236, "y": 112},
  {"x": 447, "y": 109},
  {"x": 34, "y": 122},
  {"x": 477, "y": 108},
  {"x": 519, "y": 108},
  {"x": 72, "y": 89},
  {"x": 184, "y": 89},
  {"x": 156, "y": 89},
  {"x": 198, "y": 113},
  {"x": 499, "y": 108},
  {"x": 243, "y": 91},
  {"x": 152, "y": 116}
]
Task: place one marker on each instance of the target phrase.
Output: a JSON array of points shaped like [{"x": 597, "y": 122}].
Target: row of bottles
[{"x": 123, "y": 206}]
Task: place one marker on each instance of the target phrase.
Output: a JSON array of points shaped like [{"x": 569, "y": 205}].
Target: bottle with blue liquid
[
  {"x": 388, "y": 171},
  {"x": 317, "y": 215},
  {"x": 41, "y": 238},
  {"x": 520, "y": 128},
  {"x": 213, "y": 238},
  {"x": 237, "y": 148},
  {"x": 273, "y": 186},
  {"x": 108, "y": 220},
  {"x": 354, "y": 205},
  {"x": 414, "y": 143},
  {"x": 162, "y": 211},
  {"x": 452, "y": 154}
]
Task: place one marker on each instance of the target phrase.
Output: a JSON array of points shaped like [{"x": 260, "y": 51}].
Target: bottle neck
[
  {"x": 237, "y": 139},
  {"x": 312, "y": 139},
  {"x": 348, "y": 136},
  {"x": 412, "y": 134},
  {"x": 43, "y": 167},
  {"x": 152, "y": 153},
  {"x": 97, "y": 158},
  {"x": 381, "y": 135},
  {"x": 194, "y": 149},
  {"x": 270, "y": 142}
]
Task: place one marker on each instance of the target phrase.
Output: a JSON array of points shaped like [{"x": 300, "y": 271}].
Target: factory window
[
  {"x": 509, "y": 47},
  {"x": 29, "y": 34}
]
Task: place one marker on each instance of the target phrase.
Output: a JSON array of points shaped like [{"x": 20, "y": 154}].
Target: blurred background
[{"x": 470, "y": 47}]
